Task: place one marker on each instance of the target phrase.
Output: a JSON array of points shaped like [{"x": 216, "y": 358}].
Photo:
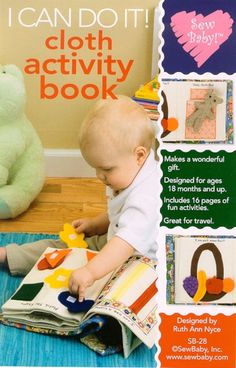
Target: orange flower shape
[
  {"x": 53, "y": 259},
  {"x": 59, "y": 278},
  {"x": 72, "y": 238},
  {"x": 56, "y": 257}
]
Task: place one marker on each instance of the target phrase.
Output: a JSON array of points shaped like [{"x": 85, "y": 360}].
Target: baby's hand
[
  {"x": 79, "y": 280},
  {"x": 84, "y": 225}
]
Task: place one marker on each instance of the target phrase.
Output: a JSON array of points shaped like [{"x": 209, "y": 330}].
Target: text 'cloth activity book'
[{"x": 125, "y": 298}]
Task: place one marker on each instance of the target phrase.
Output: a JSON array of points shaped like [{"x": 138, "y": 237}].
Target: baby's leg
[
  {"x": 96, "y": 242},
  {"x": 21, "y": 258}
]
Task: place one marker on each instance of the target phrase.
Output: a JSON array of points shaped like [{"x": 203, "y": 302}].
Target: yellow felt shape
[
  {"x": 130, "y": 280},
  {"x": 72, "y": 238},
  {"x": 59, "y": 278},
  {"x": 148, "y": 91},
  {"x": 201, "y": 291}
]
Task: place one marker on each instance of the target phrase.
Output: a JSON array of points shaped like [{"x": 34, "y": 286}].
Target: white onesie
[{"x": 133, "y": 212}]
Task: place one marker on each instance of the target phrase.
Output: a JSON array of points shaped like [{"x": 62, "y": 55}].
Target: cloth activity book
[{"x": 43, "y": 303}]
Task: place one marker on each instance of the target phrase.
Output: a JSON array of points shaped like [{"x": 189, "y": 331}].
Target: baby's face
[{"x": 116, "y": 170}]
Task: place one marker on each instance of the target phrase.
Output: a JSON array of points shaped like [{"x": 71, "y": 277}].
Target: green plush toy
[{"x": 21, "y": 152}]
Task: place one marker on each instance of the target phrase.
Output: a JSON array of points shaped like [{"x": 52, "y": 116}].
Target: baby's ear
[{"x": 141, "y": 154}]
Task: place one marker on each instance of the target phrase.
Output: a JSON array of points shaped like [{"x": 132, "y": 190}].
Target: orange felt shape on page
[
  {"x": 144, "y": 298},
  {"x": 90, "y": 255},
  {"x": 54, "y": 258},
  {"x": 228, "y": 285}
]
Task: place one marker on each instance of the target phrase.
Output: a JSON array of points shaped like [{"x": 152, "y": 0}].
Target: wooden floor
[{"x": 61, "y": 200}]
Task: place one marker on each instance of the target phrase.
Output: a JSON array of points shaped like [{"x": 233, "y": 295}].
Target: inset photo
[
  {"x": 201, "y": 270},
  {"x": 197, "y": 111}
]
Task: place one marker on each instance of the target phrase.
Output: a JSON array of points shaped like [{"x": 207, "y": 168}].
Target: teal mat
[{"x": 22, "y": 348}]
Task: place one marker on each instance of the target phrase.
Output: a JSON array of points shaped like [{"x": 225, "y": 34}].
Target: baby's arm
[
  {"x": 92, "y": 226},
  {"x": 112, "y": 255}
]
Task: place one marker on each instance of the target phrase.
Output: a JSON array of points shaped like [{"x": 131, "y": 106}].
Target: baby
[{"x": 116, "y": 139}]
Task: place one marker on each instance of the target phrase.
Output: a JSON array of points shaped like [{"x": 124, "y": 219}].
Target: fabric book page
[
  {"x": 42, "y": 291},
  {"x": 182, "y": 98},
  {"x": 43, "y": 300},
  {"x": 130, "y": 296}
]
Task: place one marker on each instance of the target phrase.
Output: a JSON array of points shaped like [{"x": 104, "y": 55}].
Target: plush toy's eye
[{"x": 4, "y": 71}]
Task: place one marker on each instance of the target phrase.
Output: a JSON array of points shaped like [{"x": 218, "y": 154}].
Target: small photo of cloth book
[
  {"x": 204, "y": 270},
  {"x": 202, "y": 111},
  {"x": 43, "y": 303}
]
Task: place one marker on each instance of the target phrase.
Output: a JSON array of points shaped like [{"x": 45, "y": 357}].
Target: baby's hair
[{"x": 122, "y": 121}]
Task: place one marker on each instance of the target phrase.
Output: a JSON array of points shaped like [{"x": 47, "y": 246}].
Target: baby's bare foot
[{"x": 3, "y": 255}]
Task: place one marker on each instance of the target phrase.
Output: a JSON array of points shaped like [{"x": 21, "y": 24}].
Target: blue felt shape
[{"x": 72, "y": 303}]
